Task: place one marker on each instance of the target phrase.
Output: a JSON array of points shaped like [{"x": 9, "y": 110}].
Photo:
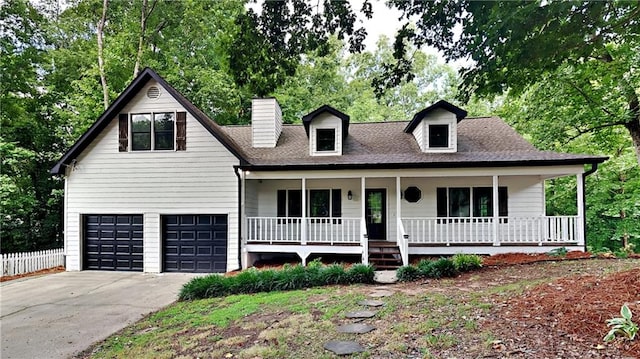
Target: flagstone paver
[
  {"x": 360, "y": 314},
  {"x": 385, "y": 277},
  {"x": 371, "y": 303},
  {"x": 357, "y": 328},
  {"x": 381, "y": 294},
  {"x": 343, "y": 347}
]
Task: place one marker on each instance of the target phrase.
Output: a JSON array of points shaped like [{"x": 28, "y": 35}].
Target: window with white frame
[
  {"x": 470, "y": 202},
  {"x": 153, "y": 131},
  {"x": 325, "y": 139},
  {"x": 321, "y": 203},
  {"x": 438, "y": 136}
]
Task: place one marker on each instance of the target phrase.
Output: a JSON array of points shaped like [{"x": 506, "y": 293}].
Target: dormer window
[
  {"x": 327, "y": 130},
  {"x": 325, "y": 139},
  {"x": 436, "y": 127},
  {"x": 439, "y": 136}
]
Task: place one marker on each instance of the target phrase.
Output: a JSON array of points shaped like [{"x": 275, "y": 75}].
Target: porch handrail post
[
  {"x": 580, "y": 201},
  {"x": 303, "y": 225},
  {"x": 363, "y": 222},
  {"x": 496, "y": 237},
  {"x": 398, "y": 208}
]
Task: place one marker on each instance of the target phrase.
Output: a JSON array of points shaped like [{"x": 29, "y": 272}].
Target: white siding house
[{"x": 155, "y": 185}]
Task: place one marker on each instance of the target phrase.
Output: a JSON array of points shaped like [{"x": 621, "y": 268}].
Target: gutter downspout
[
  {"x": 594, "y": 168},
  {"x": 235, "y": 170}
]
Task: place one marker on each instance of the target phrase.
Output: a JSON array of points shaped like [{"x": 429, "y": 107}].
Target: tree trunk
[
  {"x": 634, "y": 125},
  {"x": 103, "y": 76},
  {"x": 143, "y": 27}
]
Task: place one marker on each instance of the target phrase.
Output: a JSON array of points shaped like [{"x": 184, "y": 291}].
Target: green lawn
[{"x": 437, "y": 318}]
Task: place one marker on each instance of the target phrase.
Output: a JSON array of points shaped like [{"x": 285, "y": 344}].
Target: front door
[{"x": 376, "y": 213}]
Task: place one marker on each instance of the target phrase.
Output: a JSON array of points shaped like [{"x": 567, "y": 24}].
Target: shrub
[
  {"x": 558, "y": 252},
  {"x": 443, "y": 267},
  {"x": 288, "y": 278},
  {"x": 407, "y": 273},
  {"x": 333, "y": 274},
  {"x": 466, "y": 262},
  {"x": 424, "y": 268},
  {"x": 202, "y": 287},
  {"x": 360, "y": 273}
]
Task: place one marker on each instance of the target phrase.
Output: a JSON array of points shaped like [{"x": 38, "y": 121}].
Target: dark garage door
[
  {"x": 113, "y": 242},
  {"x": 195, "y": 243}
]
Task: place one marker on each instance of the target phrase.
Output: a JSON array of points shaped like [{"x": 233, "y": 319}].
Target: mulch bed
[
  {"x": 31, "y": 274},
  {"x": 524, "y": 258},
  {"x": 568, "y": 313}
]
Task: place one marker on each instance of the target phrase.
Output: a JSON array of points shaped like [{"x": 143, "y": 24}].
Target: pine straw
[
  {"x": 33, "y": 274},
  {"x": 580, "y": 306},
  {"x": 523, "y": 258}
]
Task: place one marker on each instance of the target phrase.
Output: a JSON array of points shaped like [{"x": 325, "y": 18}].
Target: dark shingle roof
[{"x": 484, "y": 141}]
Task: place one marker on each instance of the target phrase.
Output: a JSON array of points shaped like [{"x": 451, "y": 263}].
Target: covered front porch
[{"x": 421, "y": 212}]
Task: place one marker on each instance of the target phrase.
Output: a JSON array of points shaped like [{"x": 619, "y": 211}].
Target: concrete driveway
[{"x": 59, "y": 315}]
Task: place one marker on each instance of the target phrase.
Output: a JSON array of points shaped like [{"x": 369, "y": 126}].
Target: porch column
[
  {"x": 496, "y": 213},
  {"x": 398, "y": 210},
  {"x": 243, "y": 221},
  {"x": 363, "y": 196},
  {"x": 363, "y": 224},
  {"x": 580, "y": 220},
  {"x": 303, "y": 225}
]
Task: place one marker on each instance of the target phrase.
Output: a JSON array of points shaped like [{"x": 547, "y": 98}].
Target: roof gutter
[{"x": 593, "y": 169}]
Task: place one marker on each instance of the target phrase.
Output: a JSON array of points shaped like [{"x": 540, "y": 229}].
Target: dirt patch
[{"x": 32, "y": 274}]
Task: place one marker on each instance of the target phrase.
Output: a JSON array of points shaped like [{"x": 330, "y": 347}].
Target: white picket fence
[{"x": 26, "y": 262}]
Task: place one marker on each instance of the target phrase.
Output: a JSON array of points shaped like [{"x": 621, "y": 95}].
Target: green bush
[
  {"x": 333, "y": 274},
  {"x": 288, "y": 278},
  {"x": 360, "y": 273},
  {"x": 466, "y": 262},
  {"x": 424, "y": 268},
  {"x": 407, "y": 273},
  {"x": 440, "y": 268},
  {"x": 443, "y": 267}
]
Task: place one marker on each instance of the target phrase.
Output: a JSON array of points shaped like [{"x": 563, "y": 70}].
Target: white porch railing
[
  {"x": 27, "y": 262},
  {"x": 332, "y": 230},
  {"x": 481, "y": 230}
]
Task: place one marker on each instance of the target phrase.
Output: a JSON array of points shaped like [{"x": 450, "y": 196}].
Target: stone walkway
[{"x": 357, "y": 327}]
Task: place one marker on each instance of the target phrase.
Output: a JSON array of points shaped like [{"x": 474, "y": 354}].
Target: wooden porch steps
[{"x": 384, "y": 255}]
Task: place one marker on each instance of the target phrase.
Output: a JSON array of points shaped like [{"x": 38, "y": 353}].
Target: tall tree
[
  {"x": 100, "y": 34},
  {"x": 30, "y": 199},
  {"x": 270, "y": 43},
  {"x": 513, "y": 44}
]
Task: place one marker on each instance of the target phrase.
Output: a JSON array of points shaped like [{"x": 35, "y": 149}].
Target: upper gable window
[
  {"x": 438, "y": 136},
  {"x": 152, "y": 135},
  {"x": 325, "y": 139}
]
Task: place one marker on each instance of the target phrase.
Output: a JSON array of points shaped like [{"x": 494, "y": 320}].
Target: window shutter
[
  {"x": 441, "y": 200},
  {"x": 336, "y": 205},
  {"x": 123, "y": 132},
  {"x": 282, "y": 203},
  {"x": 503, "y": 202},
  {"x": 181, "y": 131}
]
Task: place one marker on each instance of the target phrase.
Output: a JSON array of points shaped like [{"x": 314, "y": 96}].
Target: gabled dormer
[
  {"x": 326, "y": 129},
  {"x": 436, "y": 127}
]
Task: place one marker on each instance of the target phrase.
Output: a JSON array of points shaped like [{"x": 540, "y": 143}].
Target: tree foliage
[
  {"x": 514, "y": 44},
  {"x": 344, "y": 82}
]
